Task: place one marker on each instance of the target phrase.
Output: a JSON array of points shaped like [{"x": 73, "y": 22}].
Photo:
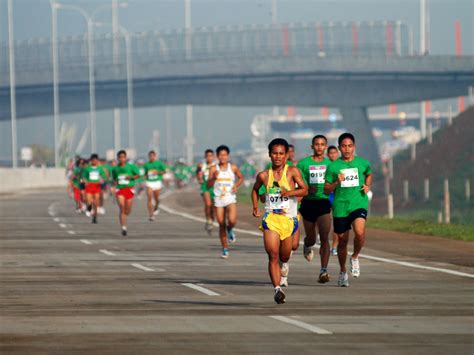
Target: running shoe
[
  {"x": 101, "y": 210},
  {"x": 231, "y": 235},
  {"x": 78, "y": 211},
  {"x": 156, "y": 212},
  {"x": 94, "y": 219},
  {"x": 279, "y": 296},
  {"x": 318, "y": 240},
  {"x": 124, "y": 231},
  {"x": 88, "y": 213},
  {"x": 334, "y": 251},
  {"x": 285, "y": 269},
  {"x": 151, "y": 219},
  {"x": 308, "y": 253},
  {"x": 284, "y": 281},
  {"x": 225, "y": 253},
  {"x": 323, "y": 277},
  {"x": 343, "y": 280},
  {"x": 355, "y": 267}
]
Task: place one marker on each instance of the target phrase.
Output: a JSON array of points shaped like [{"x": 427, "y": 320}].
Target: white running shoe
[
  {"x": 151, "y": 219},
  {"x": 308, "y": 253},
  {"x": 88, "y": 213},
  {"x": 355, "y": 267},
  {"x": 343, "y": 280},
  {"x": 285, "y": 269},
  {"x": 334, "y": 251},
  {"x": 101, "y": 210},
  {"x": 284, "y": 281},
  {"x": 156, "y": 212}
]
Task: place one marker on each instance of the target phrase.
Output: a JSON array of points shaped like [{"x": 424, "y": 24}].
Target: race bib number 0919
[
  {"x": 317, "y": 174},
  {"x": 351, "y": 177}
]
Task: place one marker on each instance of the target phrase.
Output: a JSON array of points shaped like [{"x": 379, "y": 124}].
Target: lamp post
[
  {"x": 90, "y": 37},
  {"x": 11, "y": 56}
]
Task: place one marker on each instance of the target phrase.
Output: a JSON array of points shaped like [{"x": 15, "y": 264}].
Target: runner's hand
[
  {"x": 312, "y": 189},
  {"x": 340, "y": 178},
  {"x": 285, "y": 193},
  {"x": 365, "y": 188},
  {"x": 256, "y": 212},
  {"x": 234, "y": 189}
]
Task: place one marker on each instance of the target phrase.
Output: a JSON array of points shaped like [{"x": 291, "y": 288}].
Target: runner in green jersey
[
  {"x": 140, "y": 182},
  {"x": 75, "y": 183},
  {"x": 207, "y": 193},
  {"x": 154, "y": 171},
  {"x": 93, "y": 175},
  {"x": 350, "y": 177},
  {"x": 333, "y": 154},
  {"x": 124, "y": 176},
  {"x": 315, "y": 207}
]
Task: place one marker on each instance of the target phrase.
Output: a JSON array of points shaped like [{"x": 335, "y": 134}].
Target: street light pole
[
  {"x": 54, "y": 41},
  {"x": 11, "y": 53},
  {"x": 93, "y": 119}
]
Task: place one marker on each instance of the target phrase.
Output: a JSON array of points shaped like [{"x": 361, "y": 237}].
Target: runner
[
  {"x": 93, "y": 175},
  {"x": 315, "y": 207},
  {"x": 140, "y": 182},
  {"x": 75, "y": 185},
  {"x": 280, "y": 221},
  {"x": 124, "y": 176},
  {"x": 202, "y": 175},
  {"x": 350, "y": 177},
  {"x": 222, "y": 177},
  {"x": 154, "y": 171},
  {"x": 104, "y": 187},
  {"x": 291, "y": 155},
  {"x": 333, "y": 154}
]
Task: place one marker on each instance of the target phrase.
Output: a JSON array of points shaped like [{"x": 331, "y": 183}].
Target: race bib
[
  {"x": 94, "y": 175},
  {"x": 317, "y": 174},
  {"x": 224, "y": 187},
  {"x": 206, "y": 174},
  {"x": 152, "y": 175},
  {"x": 351, "y": 177},
  {"x": 123, "y": 180},
  {"x": 277, "y": 202}
]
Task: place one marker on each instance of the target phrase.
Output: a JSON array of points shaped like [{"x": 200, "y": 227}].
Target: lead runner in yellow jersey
[{"x": 280, "y": 222}]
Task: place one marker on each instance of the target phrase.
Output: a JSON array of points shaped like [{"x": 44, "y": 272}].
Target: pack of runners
[{"x": 327, "y": 190}]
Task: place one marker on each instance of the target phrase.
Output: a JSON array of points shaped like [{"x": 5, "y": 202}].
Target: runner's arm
[
  {"x": 332, "y": 180},
  {"x": 240, "y": 177},
  {"x": 368, "y": 183},
  {"x": 199, "y": 173},
  {"x": 256, "y": 187},
  {"x": 212, "y": 177}
]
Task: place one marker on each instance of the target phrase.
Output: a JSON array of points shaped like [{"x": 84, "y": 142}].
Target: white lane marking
[
  {"x": 62, "y": 225},
  {"x": 142, "y": 267},
  {"x": 311, "y": 328},
  {"x": 71, "y": 232},
  {"x": 417, "y": 266},
  {"x": 85, "y": 241},
  {"x": 106, "y": 252},
  {"x": 56, "y": 219},
  {"x": 201, "y": 289},
  {"x": 391, "y": 261},
  {"x": 52, "y": 209}
]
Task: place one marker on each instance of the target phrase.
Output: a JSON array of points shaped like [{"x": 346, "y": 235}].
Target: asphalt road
[{"x": 68, "y": 286}]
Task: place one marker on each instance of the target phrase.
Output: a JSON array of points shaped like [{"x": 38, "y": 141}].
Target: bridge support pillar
[{"x": 356, "y": 121}]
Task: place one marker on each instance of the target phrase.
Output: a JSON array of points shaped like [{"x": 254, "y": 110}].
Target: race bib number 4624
[
  {"x": 351, "y": 177},
  {"x": 317, "y": 174}
]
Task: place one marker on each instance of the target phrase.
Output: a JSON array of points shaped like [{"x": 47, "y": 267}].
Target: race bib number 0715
[
  {"x": 277, "y": 202},
  {"x": 351, "y": 177}
]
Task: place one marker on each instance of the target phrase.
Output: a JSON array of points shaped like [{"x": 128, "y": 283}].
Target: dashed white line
[
  {"x": 71, "y": 232},
  {"x": 62, "y": 225},
  {"x": 85, "y": 241},
  {"x": 309, "y": 327},
  {"x": 142, "y": 267},
  {"x": 201, "y": 289},
  {"x": 106, "y": 252},
  {"x": 56, "y": 219}
]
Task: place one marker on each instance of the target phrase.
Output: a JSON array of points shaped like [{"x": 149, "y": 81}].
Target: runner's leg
[
  {"x": 359, "y": 236},
  {"x": 149, "y": 195},
  {"x": 324, "y": 227},
  {"x": 220, "y": 215},
  {"x": 342, "y": 250}
]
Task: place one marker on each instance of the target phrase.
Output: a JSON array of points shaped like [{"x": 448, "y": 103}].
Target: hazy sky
[{"x": 33, "y": 19}]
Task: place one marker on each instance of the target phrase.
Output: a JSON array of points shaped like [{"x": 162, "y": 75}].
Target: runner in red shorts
[
  {"x": 124, "y": 176},
  {"x": 93, "y": 176},
  {"x": 75, "y": 184}
]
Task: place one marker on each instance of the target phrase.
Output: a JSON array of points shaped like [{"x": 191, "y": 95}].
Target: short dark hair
[
  {"x": 346, "y": 135},
  {"x": 120, "y": 152},
  {"x": 208, "y": 151},
  {"x": 278, "y": 141},
  {"x": 151, "y": 152},
  {"x": 221, "y": 148},
  {"x": 291, "y": 146},
  {"x": 94, "y": 156},
  {"x": 331, "y": 147},
  {"x": 318, "y": 136}
]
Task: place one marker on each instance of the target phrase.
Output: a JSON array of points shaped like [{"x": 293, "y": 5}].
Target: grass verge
[{"x": 451, "y": 231}]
